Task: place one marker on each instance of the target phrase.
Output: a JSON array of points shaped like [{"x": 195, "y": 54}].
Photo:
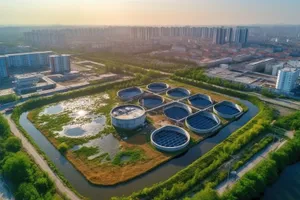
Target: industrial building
[
  {"x": 30, "y": 59},
  {"x": 287, "y": 79},
  {"x": 27, "y": 83},
  {"x": 3, "y": 67},
  {"x": 261, "y": 65},
  {"x": 170, "y": 138},
  {"x": 60, "y": 63},
  {"x": 128, "y": 117}
]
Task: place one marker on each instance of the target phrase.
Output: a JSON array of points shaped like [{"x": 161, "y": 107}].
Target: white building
[
  {"x": 287, "y": 79},
  {"x": 27, "y": 80},
  {"x": 60, "y": 63},
  {"x": 31, "y": 59},
  {"x": 3, "y": 67}
]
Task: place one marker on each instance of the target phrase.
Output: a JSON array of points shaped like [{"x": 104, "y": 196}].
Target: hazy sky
[{"x": 149, "y": 12}]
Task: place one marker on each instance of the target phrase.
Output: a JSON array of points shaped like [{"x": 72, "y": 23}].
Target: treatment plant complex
[{"x": 197, "y": 113}]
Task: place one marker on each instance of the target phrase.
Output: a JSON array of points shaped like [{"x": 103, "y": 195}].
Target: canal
[
  {"x": 159, "y": 174},
  {"x": 287, "y": 186}
]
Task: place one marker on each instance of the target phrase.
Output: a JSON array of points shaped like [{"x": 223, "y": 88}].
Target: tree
[
  {"x": 206, "y": 194},
  {"x": 17, "y": 168},
  {"x": 13, "y": 144},
  {"x": 63, "y": 147},
  {"x": 27, "y": 191}
]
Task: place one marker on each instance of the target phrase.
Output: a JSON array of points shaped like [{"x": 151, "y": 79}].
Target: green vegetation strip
[
  {"x": 199, "y": 170},
  {"x": 250, "y": 152},
  {"x": 26, "y": 179},
  {"x": 253, "y": 184},
  {"x": 8, "y": 98}
]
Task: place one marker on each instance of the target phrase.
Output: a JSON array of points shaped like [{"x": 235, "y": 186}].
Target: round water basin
[
  {"x": 177, "y": 111},
  {"x": 200, "y": 101},
  {"x": 203, "y": 122},
  {"x": 157, "y": 87},
  {"x": 170, "y": 138},
  {"x": 130, "y": 93},
  {"x": 227, "y": 109},
  {"x": 151, "y": 101},
  {"x": 178, "y": 93}
]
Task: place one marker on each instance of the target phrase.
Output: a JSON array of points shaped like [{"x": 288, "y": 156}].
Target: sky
[{"x": 149, "y": 12}]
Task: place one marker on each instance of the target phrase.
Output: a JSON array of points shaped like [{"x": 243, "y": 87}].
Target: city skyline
[{"x": 148, "y": 12}]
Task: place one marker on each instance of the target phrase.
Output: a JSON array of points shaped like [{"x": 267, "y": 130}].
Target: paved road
[
  {"x": 41, "y": 162},
  {"x": 227, "y": 184}
]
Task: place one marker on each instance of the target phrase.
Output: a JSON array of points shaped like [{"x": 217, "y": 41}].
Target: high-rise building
[
  {"x": 229, "y": 35},
  {"x": 31, "y": 59},
  {"x": 241, "y": 35},
  {"x": 3, "y": 67},
  {"x": 60, "y": 63},
  {"x": 219, "y": 35},
  {"x": 287, "y": 79}
]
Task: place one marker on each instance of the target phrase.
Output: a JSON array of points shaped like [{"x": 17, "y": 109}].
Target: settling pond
[{"x": 159, "y": 174}]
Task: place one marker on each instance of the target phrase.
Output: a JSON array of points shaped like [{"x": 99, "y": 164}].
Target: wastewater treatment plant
[{"x": 114, "y": 136}]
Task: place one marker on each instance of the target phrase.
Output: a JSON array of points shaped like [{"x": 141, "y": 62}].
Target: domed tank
[{"x": 128, "y": 116}]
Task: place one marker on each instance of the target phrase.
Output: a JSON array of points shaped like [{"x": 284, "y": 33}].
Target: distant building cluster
[
  {"x": 60, "y": 63},
  {"x": 31, "y": 59},
  {"x": 230, "y": 35},
  {"x": 102, "y": 35}
]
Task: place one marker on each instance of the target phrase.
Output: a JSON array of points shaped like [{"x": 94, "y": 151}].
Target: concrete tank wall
[
  {"x": 204, "y": 131},
  {"x": 170, "y": 149},
  {"x": 228, "y": 116}
]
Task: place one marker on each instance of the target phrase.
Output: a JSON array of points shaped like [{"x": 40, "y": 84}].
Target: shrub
[
  {"x": 63, "y": 147},
  {"x": 13, "y": 144}
]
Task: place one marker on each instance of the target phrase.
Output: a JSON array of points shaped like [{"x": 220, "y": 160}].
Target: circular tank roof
[
  {"x": 200, "y": 101},
  {"x": 170, "y": 138},
  {"x": 157, "y": 87},
  {"x": 151, "y": 101},
  {"x": 130, "y": 93},
  {"x": 176, "y": 111},
  {"x": 178, "y": 93},
  {"x": 127, "y": 112},
  {"x": 202, "y": 122}
]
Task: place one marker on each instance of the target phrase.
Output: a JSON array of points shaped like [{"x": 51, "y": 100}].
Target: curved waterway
[
  {"x": 159, "y": 174},
  {"x": 287, "y": 186}
]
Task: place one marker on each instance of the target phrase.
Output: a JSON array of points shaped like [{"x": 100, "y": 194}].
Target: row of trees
[
  {"x": 8, "y": 98},
  {"x": 202, "y": 168},
  {"x": 253, "y": 184},
  {"x": 27, "y": 181}
]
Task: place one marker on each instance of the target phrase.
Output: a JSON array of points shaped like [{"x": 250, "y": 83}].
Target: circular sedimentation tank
[
  {"x": 151, "y": 101},
  {"x": 157, "y": 87},
  {"x": 203, "y": 122},
  {"x": 177, "y": 111},
  {"x": 227, "y": 109},
  {"x": 178, "y": 93},
  {"x": 170, "y": 138},
  {"x": 128, "y": 116},
  {"x": 200, "y": 101},
  {"x": 130, "y": 93}
]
